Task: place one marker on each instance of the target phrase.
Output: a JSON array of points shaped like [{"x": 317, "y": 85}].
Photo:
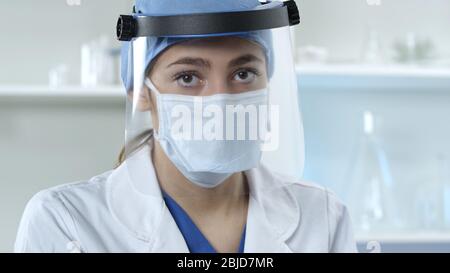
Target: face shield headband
[{"x": 270, "y": 15}]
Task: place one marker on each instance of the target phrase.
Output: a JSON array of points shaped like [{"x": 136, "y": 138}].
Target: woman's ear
[{"x": 143, "y": 100}]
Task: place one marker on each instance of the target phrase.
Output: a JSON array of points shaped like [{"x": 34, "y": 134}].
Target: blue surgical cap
[{"x": 156, "y": 45}]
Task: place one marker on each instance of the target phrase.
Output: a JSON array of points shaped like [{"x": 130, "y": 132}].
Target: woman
[{"x": 177, "y": 190}]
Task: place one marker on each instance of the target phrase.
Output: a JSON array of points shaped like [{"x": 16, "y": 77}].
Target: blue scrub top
[{"x": 195, "y": 240}]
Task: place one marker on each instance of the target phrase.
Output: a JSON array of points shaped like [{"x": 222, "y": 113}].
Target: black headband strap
[{"x": 129, "y": 27}]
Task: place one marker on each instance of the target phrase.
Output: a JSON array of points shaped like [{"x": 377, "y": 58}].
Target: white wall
[
  {"x": 341, "y": 25},
  {"x": 37, "y": 35},
  {"x": 50, "y": 141},
  {"x": 49, "y": 32}
]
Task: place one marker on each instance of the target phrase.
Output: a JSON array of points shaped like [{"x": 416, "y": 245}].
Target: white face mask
[{"x": 191, "y": 136}]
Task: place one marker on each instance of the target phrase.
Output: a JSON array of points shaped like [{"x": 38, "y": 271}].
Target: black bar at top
[{"x": 129, "y": 27}]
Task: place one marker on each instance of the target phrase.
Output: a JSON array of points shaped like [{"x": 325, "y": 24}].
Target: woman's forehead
[{"x": 214, "y": 47}]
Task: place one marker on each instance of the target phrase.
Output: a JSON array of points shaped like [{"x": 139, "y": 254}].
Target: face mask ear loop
[
  {"x": 268, "y": 118},
  {"x": 151, "y": 86},
  {"x": 153, "y": 89},
  {"x": 269, "y": 125}
]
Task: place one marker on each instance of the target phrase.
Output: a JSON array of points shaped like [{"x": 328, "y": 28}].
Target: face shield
[{"x": 216, "y": 91}]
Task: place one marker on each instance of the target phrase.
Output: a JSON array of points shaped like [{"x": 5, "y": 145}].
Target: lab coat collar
[{"x": 135, "y": 201}]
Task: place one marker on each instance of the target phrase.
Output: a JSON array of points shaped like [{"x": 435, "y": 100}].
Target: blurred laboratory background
[{"x": 374, "y": 91}]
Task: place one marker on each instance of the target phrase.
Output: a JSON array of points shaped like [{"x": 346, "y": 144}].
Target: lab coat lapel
[
  {"x": 168, "y": 238},
  {"x": 273, "y": 214},
  {"x": 260, "y": 235},
  {"x": 135, "y": 200}
]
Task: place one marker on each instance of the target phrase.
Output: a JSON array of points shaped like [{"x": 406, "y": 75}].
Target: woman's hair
[
  {"x": 135, "y": 144},
  {"x": 142, "y": 139}
]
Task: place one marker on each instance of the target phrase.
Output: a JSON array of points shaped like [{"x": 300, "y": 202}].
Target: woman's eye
[
  {"x": 244, "y": 76},
  {"x": 188, "y": 80}
]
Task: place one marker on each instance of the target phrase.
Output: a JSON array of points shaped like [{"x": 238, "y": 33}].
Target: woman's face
[
  {"x": 209, "y": 66},
  {"x": 204, "y": 67}
]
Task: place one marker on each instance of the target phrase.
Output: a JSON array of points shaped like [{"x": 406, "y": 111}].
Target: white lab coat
[{"x": 110, "y": 214}]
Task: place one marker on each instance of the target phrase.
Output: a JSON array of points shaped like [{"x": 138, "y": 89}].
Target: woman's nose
[{"x": 216, "y": 85}]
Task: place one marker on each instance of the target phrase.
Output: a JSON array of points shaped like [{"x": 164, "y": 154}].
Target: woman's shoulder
[
  {"x": 71, "y": 194},
  {"x": 304, "y": 191},
  {"x": 324, "y": 223},
  {"x": 81, "y": 189},
  {"x": 50, "y": 214},
  {"x": 314, "y": 195},
  {"x": 321, "y": 206}
]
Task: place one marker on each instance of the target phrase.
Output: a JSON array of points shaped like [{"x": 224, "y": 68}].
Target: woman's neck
[
  {"x": 230, "y": 195},
  {"x": 220, "y": 213}
]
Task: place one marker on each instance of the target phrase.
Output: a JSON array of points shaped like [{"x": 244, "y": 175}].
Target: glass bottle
[{"x": 369, "y": 190}]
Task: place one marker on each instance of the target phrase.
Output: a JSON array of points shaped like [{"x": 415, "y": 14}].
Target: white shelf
[
  {"x": 327, "y": 76},
  {"x": 61, "y": 92},
  {"x": 373, "y": 77},
  {"x": 374, "y": 70},
  {"x": 407, "y": 237}
]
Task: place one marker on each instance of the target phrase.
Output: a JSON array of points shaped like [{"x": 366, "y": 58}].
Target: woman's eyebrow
[
  {"x": 247, "y": 58},
  {"x": 191, "y": 61}
]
